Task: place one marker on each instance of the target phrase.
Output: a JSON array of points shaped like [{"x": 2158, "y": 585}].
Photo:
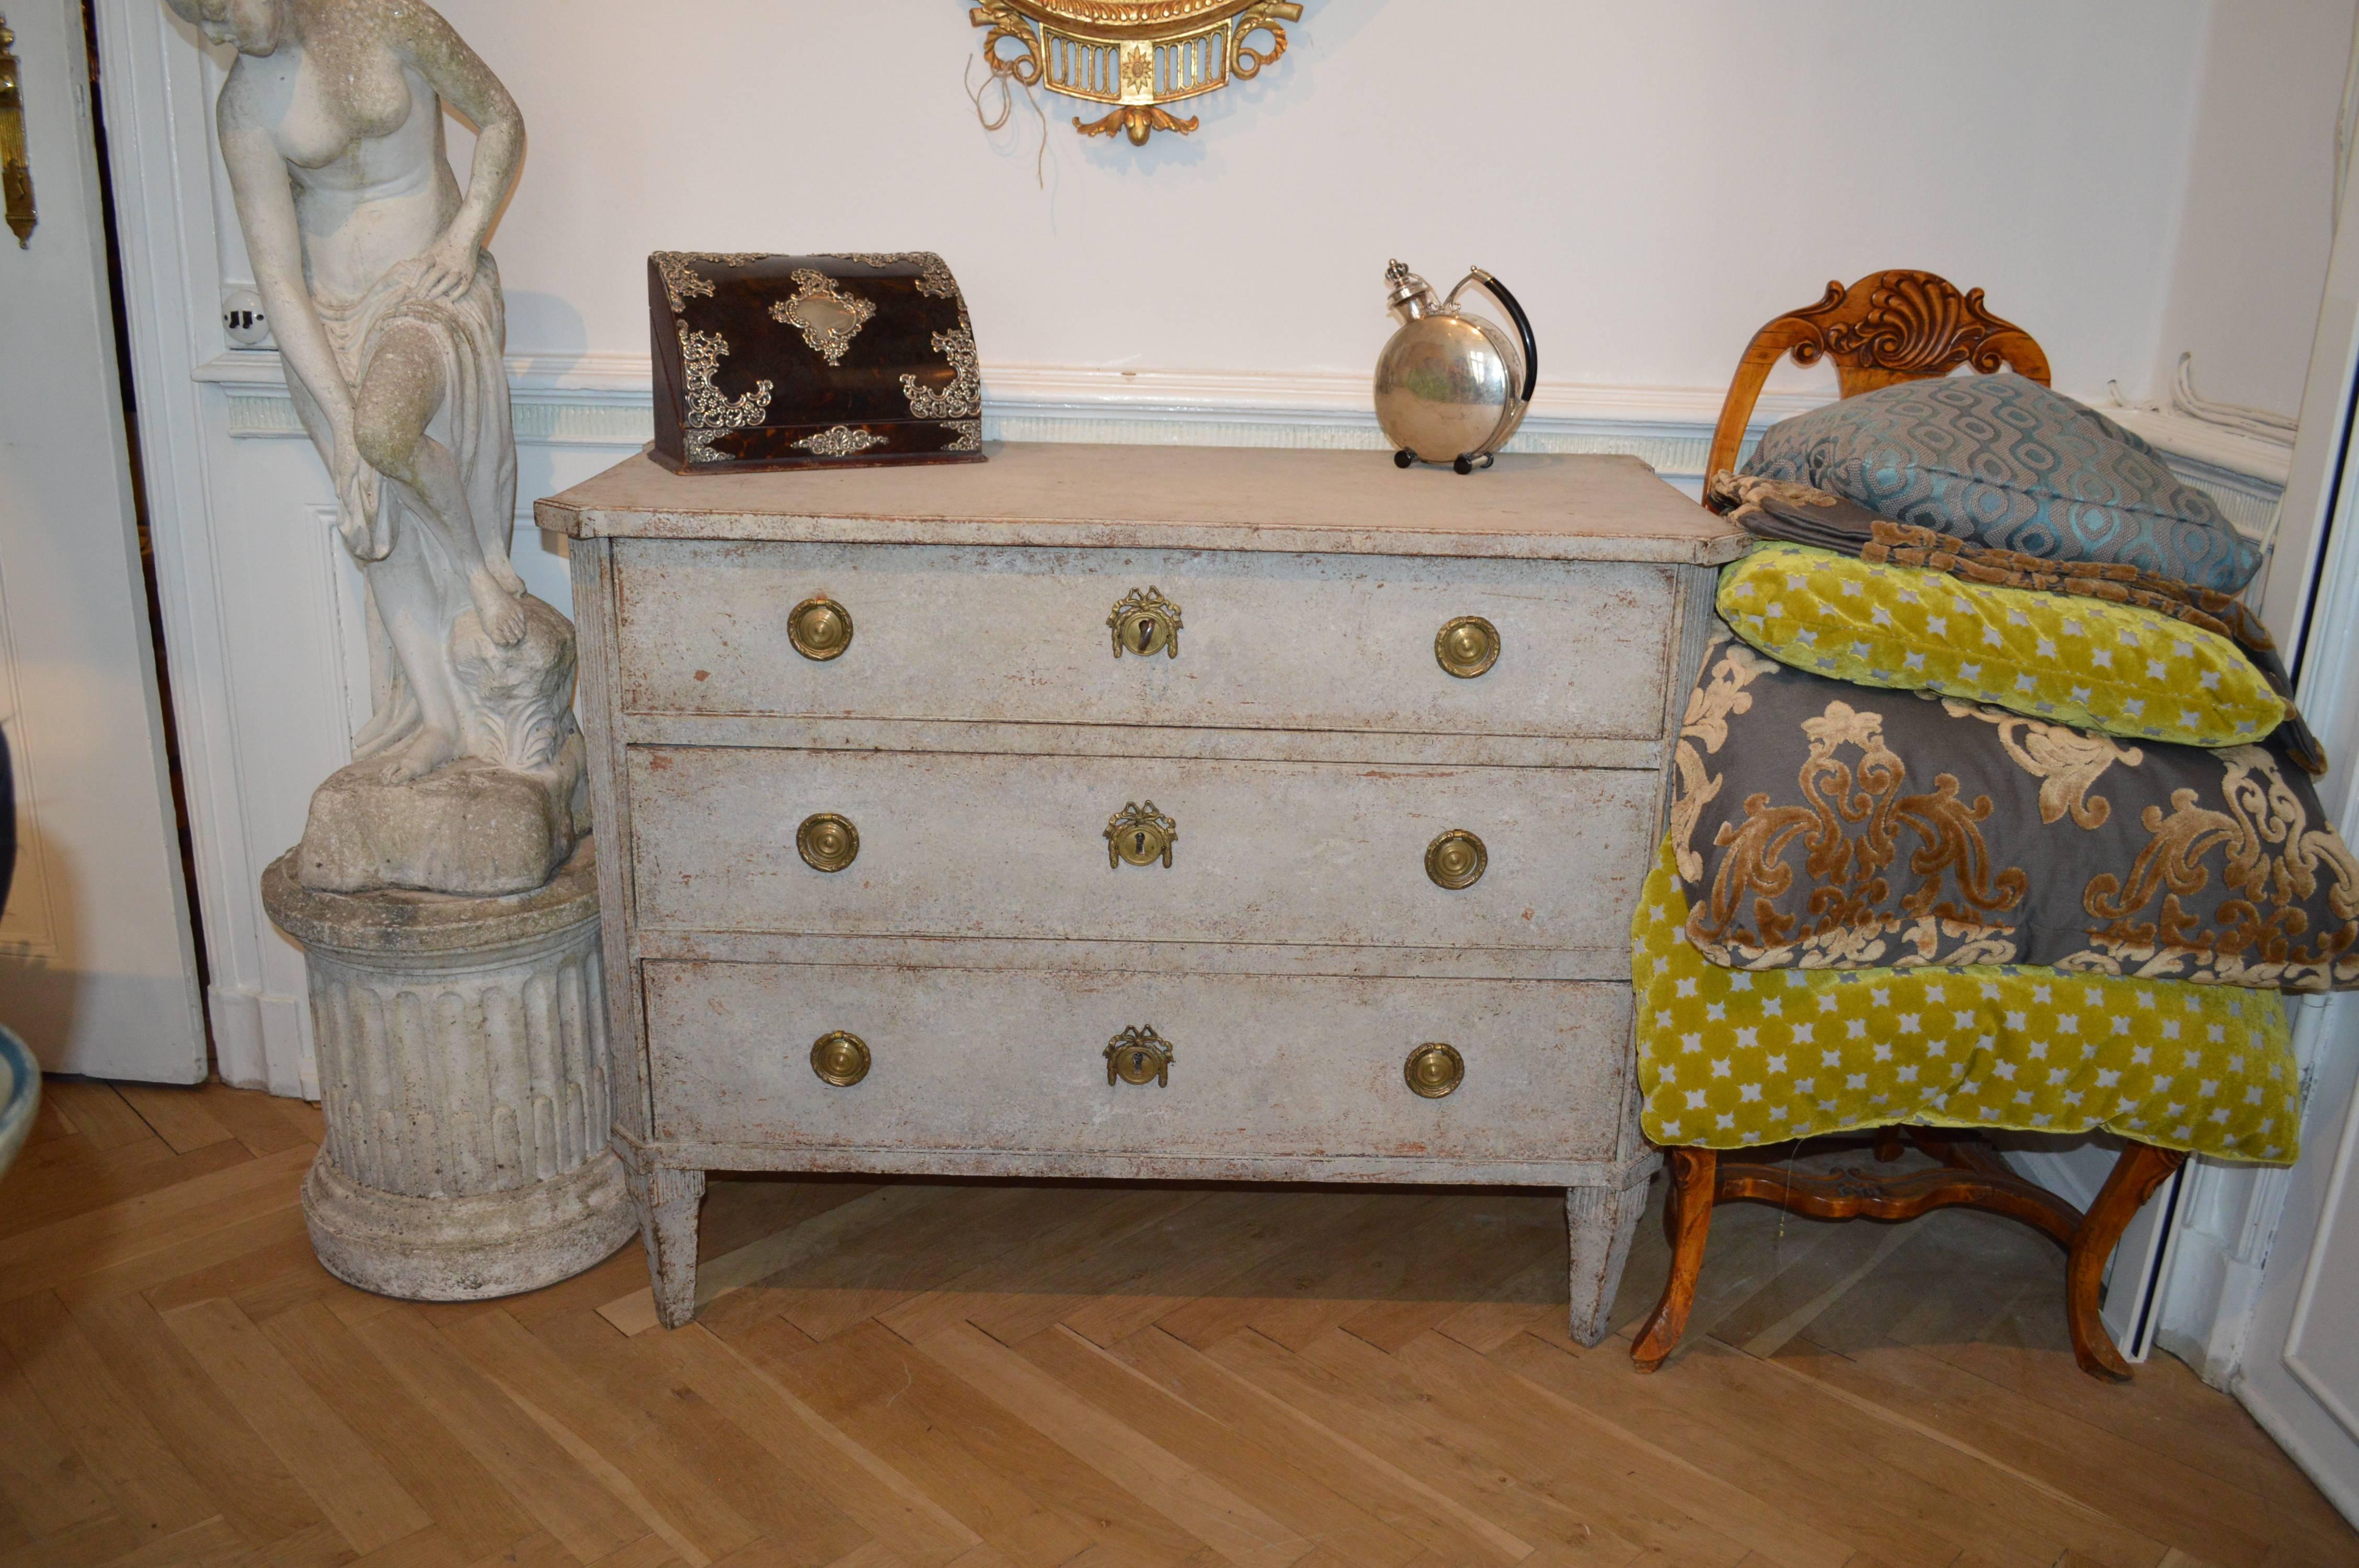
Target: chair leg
[
  {"x": 2141, "y": 1168},
  {"x": 1686, "y": 1215}
]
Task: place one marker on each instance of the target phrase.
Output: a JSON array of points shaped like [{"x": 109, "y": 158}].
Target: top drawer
[{"x": 1266, "y": 641}]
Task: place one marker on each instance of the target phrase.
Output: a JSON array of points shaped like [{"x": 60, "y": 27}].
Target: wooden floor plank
[
  {"x": 46, "y": 1484},
  {"x": 1038, "y": 1277},
  {"x": 1650, "y": 1494},
  {"x": 749, "y": 1479},
  {"x": 1346, "y": 1384},
  {"x": 2164, "y": 1498},
  {"x": 247, "y": 1481},
  {"x": 1466, "y": 1247},
  {"x": 108, "y": 1539},
  {"x": 865, "y": 1487},
  {"x": 916, "y": 1374},
  {"x": 66, "y": 1249},
  {"x": 97, "y": 1113},
  {"x": 1719, "y": 1423},
  {"x": 144, "y": 1481},
  {"x": 676, "y": 1505},
  {"x": 360, "y": 1496},
  {"x": 562, "y": 1497},
  {"x": 870, "y": 1385},
  {"x": 1266, "y": 1476},
  {"x": 1300, "y": 1289},
  {"x": 256, "y": 1121},
  {"x": 1199, "y": 1503},
  {"x": 1445, "y": 1528},
  {"x": 474, "y": 1514},
  {"x": 179, "y": 1116},
  {"x": 77, "y": 1178}
]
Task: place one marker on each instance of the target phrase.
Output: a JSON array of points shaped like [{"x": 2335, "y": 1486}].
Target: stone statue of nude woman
[{"x": 387, "y": 313}]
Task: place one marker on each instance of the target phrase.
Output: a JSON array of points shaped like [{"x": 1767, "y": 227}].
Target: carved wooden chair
[{"x": 1892, "y": 327}]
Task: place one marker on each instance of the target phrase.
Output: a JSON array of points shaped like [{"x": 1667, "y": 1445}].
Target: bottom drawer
[{"x": 1014, "y": 1061}]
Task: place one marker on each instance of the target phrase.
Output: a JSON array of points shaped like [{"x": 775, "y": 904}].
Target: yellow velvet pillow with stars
[
  {"x": 1730, "y": 1058},
  {"x": 2116, "y": 668}
]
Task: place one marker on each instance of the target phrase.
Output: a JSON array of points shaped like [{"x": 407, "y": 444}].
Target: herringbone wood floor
[{"x": 957, "y": 1373}]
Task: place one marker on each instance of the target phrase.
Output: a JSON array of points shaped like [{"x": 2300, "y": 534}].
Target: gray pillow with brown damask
[{"x": 1823, "y": 824}]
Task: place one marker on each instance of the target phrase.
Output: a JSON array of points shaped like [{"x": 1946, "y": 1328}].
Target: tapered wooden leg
[
  {"x": 1887, "y": 1145},
  {"x": 667, "y": 1202},
  {"x": 1602, "y": 1223},
  {"x": 1687, "y": 1215},
  {"x": 2141, "y": 1168}
]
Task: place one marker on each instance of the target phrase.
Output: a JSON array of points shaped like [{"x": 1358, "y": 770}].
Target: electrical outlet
[{"x": 244, "y": 321}]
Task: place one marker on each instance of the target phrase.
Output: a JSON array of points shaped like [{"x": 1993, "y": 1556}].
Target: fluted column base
[
  {"x": 463, "y": 1081},
  {"x": 468, "y": 1249}
]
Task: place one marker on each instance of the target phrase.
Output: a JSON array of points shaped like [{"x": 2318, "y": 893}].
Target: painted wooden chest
[{"x": 1134, "y": 812}]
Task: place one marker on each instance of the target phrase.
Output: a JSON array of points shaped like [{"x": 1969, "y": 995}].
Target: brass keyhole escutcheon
[
  {"x": 1145, "y": 623},
  {"x": 1139, "y": 835},
  {"x": 819, "y": 628},
  {"x": 1139, "y": 1056},
  {"x": 1467, "y": 646},
  {"x": 839, "y": 1058},
  {"x": 1456, "y": 859},
  {"x": 827, "y": 842},
  {"x": 1434, "y": 1070}
]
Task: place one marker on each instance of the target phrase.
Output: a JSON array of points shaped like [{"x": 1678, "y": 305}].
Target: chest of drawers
[{"x": 1119, "y": 812}]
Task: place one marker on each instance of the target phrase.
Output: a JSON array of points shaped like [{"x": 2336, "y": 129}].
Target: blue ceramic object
[{"x": 20, "y": 1096}]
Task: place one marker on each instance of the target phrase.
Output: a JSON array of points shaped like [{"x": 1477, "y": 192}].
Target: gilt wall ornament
[{"x": 1135, "y": 56}]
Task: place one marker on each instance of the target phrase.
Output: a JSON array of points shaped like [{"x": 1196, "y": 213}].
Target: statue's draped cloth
[{"x": 473, "y": 423}]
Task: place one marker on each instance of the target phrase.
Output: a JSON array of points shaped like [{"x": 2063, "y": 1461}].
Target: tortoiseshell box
[{"x": 767, "y": 361}]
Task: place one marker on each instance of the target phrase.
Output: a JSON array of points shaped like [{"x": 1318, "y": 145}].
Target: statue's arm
[
  {"x": 461, "y": 79},
  {"x": 274, "y": 242}
]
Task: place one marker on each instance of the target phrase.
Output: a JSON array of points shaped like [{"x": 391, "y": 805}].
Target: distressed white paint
[
  {"x": 999, "y": 930},
  {"x": 1328, "y": 642},
  {"x": 1265, "y": 1069},
  {"x": 1015, "y": 847}
]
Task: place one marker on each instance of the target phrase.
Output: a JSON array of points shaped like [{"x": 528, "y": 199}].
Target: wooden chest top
[{"x": 1531, "y": 507}]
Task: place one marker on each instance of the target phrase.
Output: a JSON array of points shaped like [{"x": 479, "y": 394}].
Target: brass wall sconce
[{"x": 1137, "y": 55}]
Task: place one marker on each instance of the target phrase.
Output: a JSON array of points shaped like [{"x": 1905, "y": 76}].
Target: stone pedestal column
[{"x": 464, "y": 1076}]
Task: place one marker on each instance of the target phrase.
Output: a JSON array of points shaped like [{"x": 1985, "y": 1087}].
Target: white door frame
[
  {"x": 2235, "y": 1298},
  {"x": 159, "y": 108}
]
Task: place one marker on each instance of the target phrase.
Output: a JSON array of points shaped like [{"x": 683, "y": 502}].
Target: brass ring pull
[
  {"x": 1139, "y": 835},
  {"x": 1456, "y": 859},
  {"x": 1145, "y": 623},
  {"x": 839, "y": 1058},
  {"x": 827, "y": 842},
  {"x": 819, "y": 628},
  {"x": 1467, "y": 646},
  {"x": 1434, "y": 1070},
  {"x": 1139, "y": 1056}
]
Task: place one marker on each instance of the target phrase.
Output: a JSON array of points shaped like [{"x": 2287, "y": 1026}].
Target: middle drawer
[{"x": 966, "y": 845}]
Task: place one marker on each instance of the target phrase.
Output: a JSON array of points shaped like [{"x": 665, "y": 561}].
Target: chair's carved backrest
[{"x": 1889, "y": 326}]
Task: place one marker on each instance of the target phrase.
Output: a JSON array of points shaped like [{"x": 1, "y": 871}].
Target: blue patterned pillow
[{"x": 2003, "y": 460}]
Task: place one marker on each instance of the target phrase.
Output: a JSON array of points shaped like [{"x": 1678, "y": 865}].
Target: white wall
[
  {"x": 2250, "y": 262},
  {"x": 1654, "y": 180}
]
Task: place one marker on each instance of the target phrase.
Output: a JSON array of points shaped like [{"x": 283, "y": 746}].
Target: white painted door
[
  {"x": 97, "y": 970},
  {"x": 2298, "y": 1368},
  {"x": 2283, "y": 1309}
]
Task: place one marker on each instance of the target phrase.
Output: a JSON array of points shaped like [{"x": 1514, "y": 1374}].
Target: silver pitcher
[{"x": 1452, "y": 388}]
